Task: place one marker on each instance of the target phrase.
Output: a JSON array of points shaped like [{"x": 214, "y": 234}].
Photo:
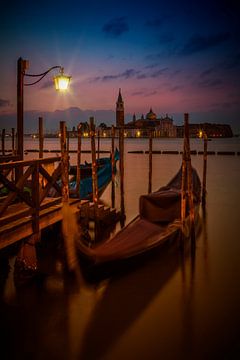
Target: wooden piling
[
  {"x": 94, "y": 173},
  {"x": 13, "y": 141},
  {"x": 183, "y": 185},
  {"x": 150, "y": 163},
  {"x": 94, "y": 163},
  {"x": 189, "y": 179},
  {"x": 121, "y": 167},
  {"x": 40, "y": 136},
  {"x": 113, "y": 166},
  {"x": 98, "y": 144},
  {"x": 3, "y": 141},
  {"x": 204, "y": 181},
  {"x": 65, "y": 161},
  {"x": 78, "y": 178},
  {"x": 68, "y": 140}
]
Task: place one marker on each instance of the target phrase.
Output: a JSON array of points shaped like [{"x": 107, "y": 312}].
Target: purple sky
[{"x": 173, "y": 56}]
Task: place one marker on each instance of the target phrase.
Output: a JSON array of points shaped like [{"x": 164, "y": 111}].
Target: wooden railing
[{"x": 29, "y": 193}]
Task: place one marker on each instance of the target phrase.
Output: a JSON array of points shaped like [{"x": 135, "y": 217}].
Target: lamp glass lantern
[{"x": 61, "y": 81}]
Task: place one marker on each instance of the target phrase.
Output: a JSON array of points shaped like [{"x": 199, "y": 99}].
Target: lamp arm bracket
[{"x": 42, "y": 75}]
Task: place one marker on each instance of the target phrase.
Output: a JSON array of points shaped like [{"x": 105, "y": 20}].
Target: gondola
[
  {"x": 104, "y": 176},
  {"x": 158, "y": 223}
]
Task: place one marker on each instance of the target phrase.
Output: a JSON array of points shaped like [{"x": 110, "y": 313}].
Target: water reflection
[{"x": 126, "y": 298}]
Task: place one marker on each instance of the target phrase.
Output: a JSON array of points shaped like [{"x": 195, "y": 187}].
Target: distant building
[
  {"x": 212, "y": 130},
  {"x": 161, "y": 127}
]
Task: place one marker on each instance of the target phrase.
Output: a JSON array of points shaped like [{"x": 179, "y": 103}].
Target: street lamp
[{"x": 61, "y": 82}]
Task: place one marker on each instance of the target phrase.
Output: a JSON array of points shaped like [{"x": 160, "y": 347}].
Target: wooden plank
[{"x": 22, "y": 228}]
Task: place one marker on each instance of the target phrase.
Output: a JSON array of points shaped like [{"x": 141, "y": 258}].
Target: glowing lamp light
[
  {"x": 61, "y": 81},
  {"x": 200, "y": 134},
  {"x": 138, "y": 133}
]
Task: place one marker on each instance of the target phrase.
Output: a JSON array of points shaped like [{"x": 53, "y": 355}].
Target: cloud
[
  {"x": 232, "y": 62},
  {"x": 200, "y": 43},
  {"x": 4, "y": 103},
  {"x": 175, "y": 88},
  {"x": 210, "y": 83},
  {"x": 131, "y": 73},
  {"x": 207, "y": 72},
  {"x": 127, "y": 74},
  {"x": 144, "y": 93},
  {"x": 154, "y": 74},
  {"x": 47, "y": 84},
  {"x": 159, "y": 72},
  {"x": 116, "y": 27}
]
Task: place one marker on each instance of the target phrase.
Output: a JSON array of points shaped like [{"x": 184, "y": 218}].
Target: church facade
[{"x": 160, "y": 127}]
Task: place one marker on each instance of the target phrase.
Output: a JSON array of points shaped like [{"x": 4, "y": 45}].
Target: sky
[{"x": 173, "y": 56}]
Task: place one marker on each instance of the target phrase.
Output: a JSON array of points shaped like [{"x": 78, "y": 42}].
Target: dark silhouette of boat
[{"x": 158, "y": 223}]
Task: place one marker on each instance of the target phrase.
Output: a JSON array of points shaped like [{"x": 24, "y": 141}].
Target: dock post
[
  {"x": 26, "y": 260},
  {"x": 183, "y": 192},
  {"x": 68, "y": 139},
  {"x": 204, "y": 181},
  {"x": 121, "y": 166},
  {"x": 98, "y": 144},
  {"x": 68, "y": 221},
  {"x": 94, "y": 174},
  {"x": 65, "y": 161},
  {"x": 13, "y": 141},
  {"x": 3, "y": 141},
  {"x": 113, "y": 166},
  {"x": 78, "y": 178},
  {"x": 150, "y": 163},
  {"x": 189, "y": 180},
  {"x": 40, "y": 135}
]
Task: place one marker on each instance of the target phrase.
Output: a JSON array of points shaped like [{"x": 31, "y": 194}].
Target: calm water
[{"x": 169, "y": 307}]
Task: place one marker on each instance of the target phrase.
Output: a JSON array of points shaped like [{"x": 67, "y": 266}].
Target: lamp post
[{"x": 61, "y": 82}]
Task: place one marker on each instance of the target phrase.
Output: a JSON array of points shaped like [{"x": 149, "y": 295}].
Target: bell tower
[{"x": 119, "y": 110}]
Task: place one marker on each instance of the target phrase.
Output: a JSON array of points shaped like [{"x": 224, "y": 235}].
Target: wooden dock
[{"x": 27, "y": 207}]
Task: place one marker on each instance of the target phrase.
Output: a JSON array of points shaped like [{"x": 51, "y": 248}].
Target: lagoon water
[{"x": 169, "y": 306}]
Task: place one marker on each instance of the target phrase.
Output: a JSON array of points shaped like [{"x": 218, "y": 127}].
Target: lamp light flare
[{"x": 61, "y": 81}]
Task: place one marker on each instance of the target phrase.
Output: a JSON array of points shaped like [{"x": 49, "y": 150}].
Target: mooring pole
[
  {"x": 98, "y": 144},
  {"x": 204, "y": 181},
  {"x": 65, "y": 161},
  {"x": 3, "y": 141},
  {"x": 150, "y": 163},
  {"x": 183, "y": 186},
  {"x": 121, "y": 166},
  {"x": 41, "y": 136},
  {"x": 94, "y": 174},
  {"x": 13, "y": 141},
  {"x": 113, "y": 167},
  {"x": 189, "y": 180},
  {"x": 78, "y": 178},
  {"x": 68, "y": 144}
]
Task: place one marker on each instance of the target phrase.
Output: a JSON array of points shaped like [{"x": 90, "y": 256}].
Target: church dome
[{"x": 151, "y": 115}]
